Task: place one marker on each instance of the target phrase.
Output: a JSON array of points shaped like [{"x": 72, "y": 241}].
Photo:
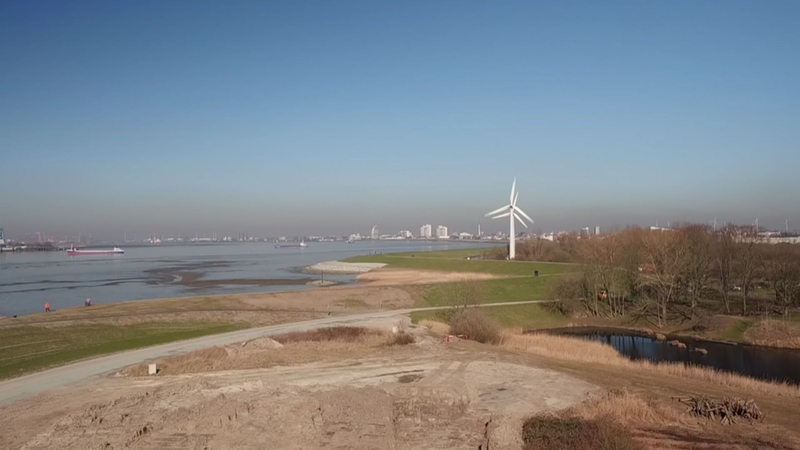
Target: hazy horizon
[{"x": 299, "y": 118}]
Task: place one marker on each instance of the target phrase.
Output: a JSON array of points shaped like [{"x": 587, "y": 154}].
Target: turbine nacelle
[
  {"x": 512, "y": 211},
  {"x": 511, "y": 208}
]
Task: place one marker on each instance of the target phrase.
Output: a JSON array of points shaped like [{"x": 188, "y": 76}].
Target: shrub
[
  {"x": 474, "y": 324},
  {"x": 401, "y": 338},
  {"x": 346, "y": 334},
  {"x": 555, "y": 433}
]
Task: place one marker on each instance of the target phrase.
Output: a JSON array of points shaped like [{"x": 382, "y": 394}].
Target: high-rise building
[
  {"x": 441, "y": 232},
  {"x": 425, "y": 231},
  {"x": 2, "y": 237}
]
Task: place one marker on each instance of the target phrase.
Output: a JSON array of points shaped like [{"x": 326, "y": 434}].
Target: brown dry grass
[
  {"x": 659, "y": 425},
  {"x": 650, "y": 411},
  {"x": 342, "y": 334},
  {"x": 474, "y": 324},
  {"x": 435, "y": 327},
  {"x": 774, "y": 333},
  {"x": 549, "y": 432}
]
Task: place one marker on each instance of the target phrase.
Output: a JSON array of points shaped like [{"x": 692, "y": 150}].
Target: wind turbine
[{"x": 512, "y": 211}]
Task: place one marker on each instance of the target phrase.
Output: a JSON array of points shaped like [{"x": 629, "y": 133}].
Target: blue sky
[{"x": 303, "y": 117}]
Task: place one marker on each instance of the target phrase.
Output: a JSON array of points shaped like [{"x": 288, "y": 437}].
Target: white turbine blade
[
  {"x": 513, "y": 190},
  {"x": 523, "y": 214},
  {"x": 498, "y": 210},
  {"x": 505, "y": 214},
  {"x": 520, "y": 220},
  {"x": 516, "y": 196}
]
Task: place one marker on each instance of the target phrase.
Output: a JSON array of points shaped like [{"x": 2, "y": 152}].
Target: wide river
[{"x": 28, "y": 280}]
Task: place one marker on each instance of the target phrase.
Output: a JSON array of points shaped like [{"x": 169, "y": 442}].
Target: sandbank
[{"x": 343, "y": 267}]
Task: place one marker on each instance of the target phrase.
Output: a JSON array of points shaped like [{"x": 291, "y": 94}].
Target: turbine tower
[{"x": 512, "y": 211}]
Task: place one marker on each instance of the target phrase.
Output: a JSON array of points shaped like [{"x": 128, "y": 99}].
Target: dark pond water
[{"x": 758, "y": 362}]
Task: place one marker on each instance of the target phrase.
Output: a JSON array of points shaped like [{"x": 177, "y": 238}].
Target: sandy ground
[
  {"x": 343, "y": 267},
  {"x": 399, "y": 277},
  {"x": 261, "y": 394}
]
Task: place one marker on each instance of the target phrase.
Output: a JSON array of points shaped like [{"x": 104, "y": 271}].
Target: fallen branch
[{"x": 726, "y": 411}]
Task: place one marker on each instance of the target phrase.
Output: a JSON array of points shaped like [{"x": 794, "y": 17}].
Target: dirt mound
[
  {"x": 262, "y": 343},
  {"x": 350, "y": 395}
]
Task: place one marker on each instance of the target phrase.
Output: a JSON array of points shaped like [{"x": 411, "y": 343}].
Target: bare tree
[
  {"x": 695, "y": 241},
  {"x": 664, "y": 256},
  {"x": 784, "y": 275},
  {"x": 724, "y": 255},
  {"x": 748, "y": 262}
]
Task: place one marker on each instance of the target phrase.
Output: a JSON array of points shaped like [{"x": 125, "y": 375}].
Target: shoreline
[
  {"x": 148, "y": 272},
  {"x": 191, "y": 278}
]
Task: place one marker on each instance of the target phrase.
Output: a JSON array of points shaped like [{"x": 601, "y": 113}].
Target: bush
[
  {"x": 345, "y": 334},
  {"x": 555, "y": 433},
  {"x": 474, "y": 324},
  {"x": 401, "y": 338}
]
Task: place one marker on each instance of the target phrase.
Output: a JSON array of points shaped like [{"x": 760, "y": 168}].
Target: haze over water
[{"x": 29, "y": 279}]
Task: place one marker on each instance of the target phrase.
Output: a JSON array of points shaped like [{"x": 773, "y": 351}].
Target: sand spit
[{"x": 343, "y": 267}]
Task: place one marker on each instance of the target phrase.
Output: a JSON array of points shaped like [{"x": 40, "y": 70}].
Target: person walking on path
[{"x": 47, "y": 307}]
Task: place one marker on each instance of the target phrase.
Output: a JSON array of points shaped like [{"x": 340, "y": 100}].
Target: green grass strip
[
  {"x": 30, "y": 348},
  {"x": 529, "y": 316},
  {"x": 736, "y": 331},
  {"x": 455, "y": 261}
]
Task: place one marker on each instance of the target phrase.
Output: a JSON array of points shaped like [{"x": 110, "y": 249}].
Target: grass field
[
  {"x": 528, "y": 316},
  {"x": 736, "y": 331},
  {"x": 26, "y": 349},
  {"x": 518, "y": 283},
  {"x": 138, "y": 308},
  {"x": 455, "y": 261}
]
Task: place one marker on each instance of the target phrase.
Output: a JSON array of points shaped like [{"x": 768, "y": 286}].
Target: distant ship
[
  {"x": 94, "y": 251},
  {"x": 291, "y": 245}
]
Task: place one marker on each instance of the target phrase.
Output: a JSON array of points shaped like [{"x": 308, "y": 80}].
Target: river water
[
  {"x": 750, "y": 360},
  {"x": 30, "y": 279}
]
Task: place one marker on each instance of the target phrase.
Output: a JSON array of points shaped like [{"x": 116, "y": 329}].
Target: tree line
[{"x": 676, "y": 273}]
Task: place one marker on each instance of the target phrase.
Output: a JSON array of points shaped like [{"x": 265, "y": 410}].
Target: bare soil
[
  {"x": 399, "y": 277},
  {"x": 261, "y": 394}
]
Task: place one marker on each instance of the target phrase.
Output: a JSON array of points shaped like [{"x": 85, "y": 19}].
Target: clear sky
[{"x": 325, "y": 117}]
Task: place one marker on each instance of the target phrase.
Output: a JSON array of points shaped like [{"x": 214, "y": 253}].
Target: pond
[{"x": 750, "y": 360}]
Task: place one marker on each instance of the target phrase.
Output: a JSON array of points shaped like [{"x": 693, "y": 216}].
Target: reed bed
[{"x": 774, "y": 333}]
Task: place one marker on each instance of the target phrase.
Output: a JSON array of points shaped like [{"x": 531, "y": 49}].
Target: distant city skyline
[
  {"x": 284, "y": 118},
  {"x": 426, "y": 231}
]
